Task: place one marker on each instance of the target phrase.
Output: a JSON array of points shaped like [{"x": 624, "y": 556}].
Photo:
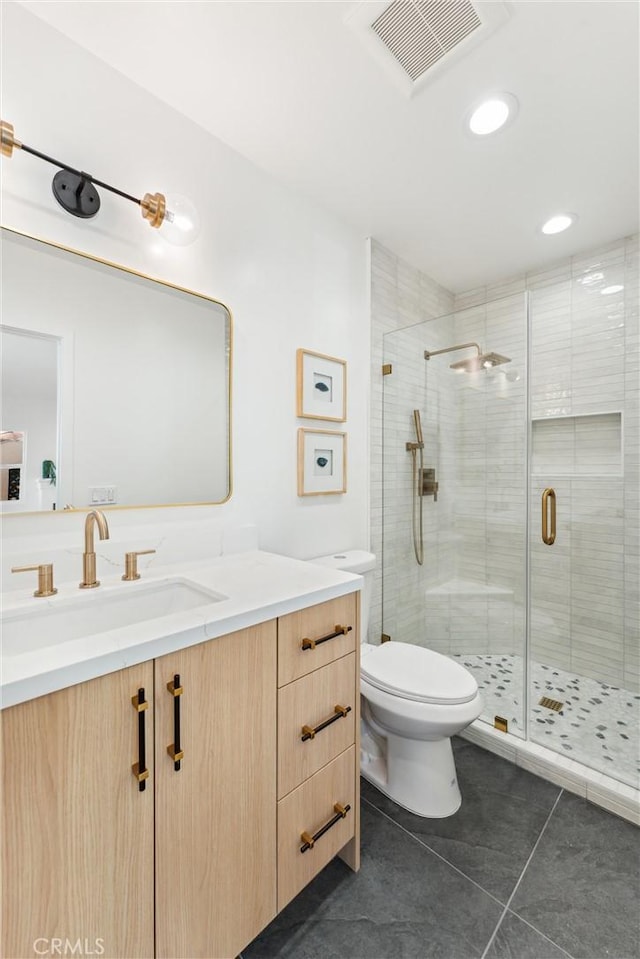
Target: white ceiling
[{"x": 290, "y": 86}]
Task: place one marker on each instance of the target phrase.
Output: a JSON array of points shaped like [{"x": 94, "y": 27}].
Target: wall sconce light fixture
[{"x": 76, "y": 193}]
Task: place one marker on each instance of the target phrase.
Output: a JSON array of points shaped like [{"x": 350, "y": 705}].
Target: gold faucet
[{"x": 89, "y": 557}]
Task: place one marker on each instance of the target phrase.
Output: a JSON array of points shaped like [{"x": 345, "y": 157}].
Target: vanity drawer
[
  {"x": 314, "y": 625},
  {"x": 308, "y": 809},
  {"x": 307, "y": 704}
]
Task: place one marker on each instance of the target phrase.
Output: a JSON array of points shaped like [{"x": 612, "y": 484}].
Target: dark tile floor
[{"x": 524, "y": 870}]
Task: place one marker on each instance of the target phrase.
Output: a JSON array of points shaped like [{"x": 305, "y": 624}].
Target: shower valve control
[{"x": 428, "y": 484}]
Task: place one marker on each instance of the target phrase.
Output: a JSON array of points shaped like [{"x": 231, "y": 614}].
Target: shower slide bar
[{"x": 417, "y": 456}]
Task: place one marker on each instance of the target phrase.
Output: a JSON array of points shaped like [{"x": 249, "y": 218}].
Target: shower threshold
[{"x": 575, "y": 777}]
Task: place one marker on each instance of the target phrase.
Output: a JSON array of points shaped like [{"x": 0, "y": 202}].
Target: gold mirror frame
[{"x": 172, "y": 286}]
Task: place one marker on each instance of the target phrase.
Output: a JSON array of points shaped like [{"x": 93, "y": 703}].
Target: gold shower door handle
[{"x": 549, "y": 516}]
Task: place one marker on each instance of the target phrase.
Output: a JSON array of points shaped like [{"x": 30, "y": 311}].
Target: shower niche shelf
[{"x": 587, "y": 445}]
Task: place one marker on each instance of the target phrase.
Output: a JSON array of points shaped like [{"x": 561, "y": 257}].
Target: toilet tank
[{"x": 355, "y": 561}]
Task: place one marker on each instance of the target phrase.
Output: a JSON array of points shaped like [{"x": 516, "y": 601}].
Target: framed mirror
[{"x": 116, "y": 387}]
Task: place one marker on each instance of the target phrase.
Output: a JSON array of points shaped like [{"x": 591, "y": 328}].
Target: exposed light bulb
[{"x": 181, "y": 223}]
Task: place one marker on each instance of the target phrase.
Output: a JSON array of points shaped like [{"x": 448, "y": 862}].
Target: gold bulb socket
[
  {"x": 7, "y": 140},
  {"x": 154, "y": 208}
]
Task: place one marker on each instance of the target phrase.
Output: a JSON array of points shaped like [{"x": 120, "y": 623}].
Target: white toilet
[{"x": 413, "y": 701}]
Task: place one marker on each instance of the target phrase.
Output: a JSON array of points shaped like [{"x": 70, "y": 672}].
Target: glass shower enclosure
[{"x": 507, "y": 514}]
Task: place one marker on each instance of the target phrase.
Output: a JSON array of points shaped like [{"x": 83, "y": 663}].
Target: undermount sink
[{"x": 60, "y": 620}]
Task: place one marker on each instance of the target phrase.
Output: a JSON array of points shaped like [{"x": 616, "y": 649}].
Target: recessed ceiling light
[
  {"x": 492, "y": 114},
  {"x": 558, "y": 223},
  {"x": 616, "y": 288}
]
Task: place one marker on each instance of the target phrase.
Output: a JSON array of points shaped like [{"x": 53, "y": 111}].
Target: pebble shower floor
[{"x": 599, "y": 724}]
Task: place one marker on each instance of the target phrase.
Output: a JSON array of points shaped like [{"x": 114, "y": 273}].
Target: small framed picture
[
  {"x": 321, "y": 387},
  {"x": 322, "y": 462}
]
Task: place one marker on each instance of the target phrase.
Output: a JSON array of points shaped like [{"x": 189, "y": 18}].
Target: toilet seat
[{"x": 419, "y": 674}]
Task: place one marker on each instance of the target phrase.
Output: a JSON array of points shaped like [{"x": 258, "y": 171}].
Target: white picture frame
[
  {"x": 322, "y": 462},
  {"x": 321, "y": 386}
]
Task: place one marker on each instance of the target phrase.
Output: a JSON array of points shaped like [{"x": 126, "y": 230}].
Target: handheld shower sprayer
[{"x": 418, "y": 426}]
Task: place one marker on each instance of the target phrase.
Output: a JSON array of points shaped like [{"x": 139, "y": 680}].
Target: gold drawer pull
[
  {"x": 308, "y": 841},
  {"x": 339, "y": 712},
  {"x": 339, "y": 631}
]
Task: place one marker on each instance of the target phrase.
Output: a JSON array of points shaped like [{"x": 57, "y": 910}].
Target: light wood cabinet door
[
  {"x": 77, "y": 831},
  {"x": 215, "y": 816}
]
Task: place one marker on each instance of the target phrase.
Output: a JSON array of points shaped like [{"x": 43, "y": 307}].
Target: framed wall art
[
  {"x": 322, "y": 462},
  {"x": 321, "y": 386}
]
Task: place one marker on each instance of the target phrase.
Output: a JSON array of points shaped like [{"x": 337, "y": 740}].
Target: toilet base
[{"x": 419, "y": 776}]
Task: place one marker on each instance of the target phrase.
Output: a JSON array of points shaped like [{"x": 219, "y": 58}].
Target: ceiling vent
[{"x": 414, "y": 39}]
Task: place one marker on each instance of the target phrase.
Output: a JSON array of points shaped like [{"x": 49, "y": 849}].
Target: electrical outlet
[{"x": 103, "y": 495}]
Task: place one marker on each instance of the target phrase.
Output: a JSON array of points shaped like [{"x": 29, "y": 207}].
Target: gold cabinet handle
[
  {"x": 549, "y": 516},
  {"x": 309, "y": 841},
  {"x": 338, "y": 631},
  {"x": 309, "y": 732}
]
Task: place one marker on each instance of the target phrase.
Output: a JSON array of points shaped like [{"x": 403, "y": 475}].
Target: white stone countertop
[{"x": 257, "y": 587}]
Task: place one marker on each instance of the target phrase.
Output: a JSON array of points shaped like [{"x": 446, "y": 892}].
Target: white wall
[{"x": 292, "y": 275}]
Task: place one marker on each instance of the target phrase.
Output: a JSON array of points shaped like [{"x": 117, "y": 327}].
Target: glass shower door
[
  {"x": 467, "y": 599},
  {"x": 583, "y": 631}
]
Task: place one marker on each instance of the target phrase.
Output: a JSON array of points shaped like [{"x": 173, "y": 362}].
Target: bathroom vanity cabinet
[
  {"x": 81, "y": 839},
  {"x": 197, "y": 857}
]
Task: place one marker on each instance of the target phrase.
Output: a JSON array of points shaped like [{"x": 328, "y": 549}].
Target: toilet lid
[{"x": 416, "y": 673}]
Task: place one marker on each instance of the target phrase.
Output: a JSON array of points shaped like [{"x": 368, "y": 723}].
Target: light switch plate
[{"x": 103, "y": 495}]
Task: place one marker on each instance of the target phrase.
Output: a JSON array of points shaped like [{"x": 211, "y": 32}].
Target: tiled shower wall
[{"x": 469, "y": 594}]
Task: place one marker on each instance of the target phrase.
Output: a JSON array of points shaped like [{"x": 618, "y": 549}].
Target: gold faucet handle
[
  {"x": 45, "y": 578},
  {"x": 131, "y": 563}
]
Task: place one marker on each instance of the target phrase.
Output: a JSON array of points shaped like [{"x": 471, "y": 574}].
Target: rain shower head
[
  {"x": 484, "y": 361},
  {"x": 481, "y": 361}
]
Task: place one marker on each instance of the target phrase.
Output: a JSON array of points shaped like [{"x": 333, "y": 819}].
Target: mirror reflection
[
  {"x": 115, "y": 387},
  {"x": 29, "y": 438}
]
